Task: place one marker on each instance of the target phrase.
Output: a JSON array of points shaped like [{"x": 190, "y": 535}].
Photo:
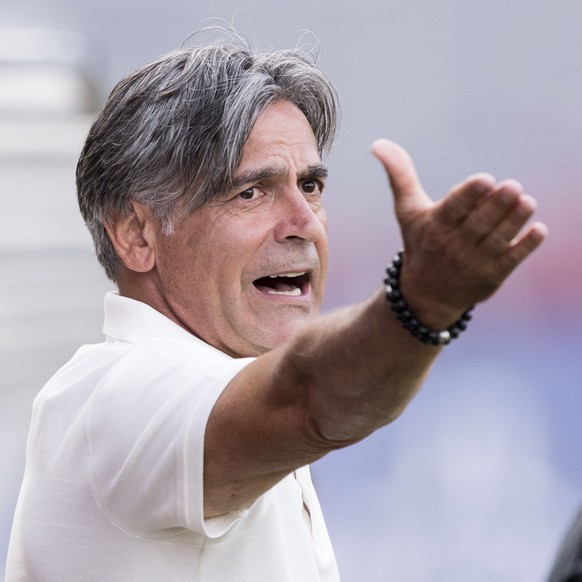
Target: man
[
  {"x": 567, "y": 566},
  {"x": 178, "y": 449}
]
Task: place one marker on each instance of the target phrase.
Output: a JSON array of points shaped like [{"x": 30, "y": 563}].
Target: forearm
[{"x": 359, "y": 369}]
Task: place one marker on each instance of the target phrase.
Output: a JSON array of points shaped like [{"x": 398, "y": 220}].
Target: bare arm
[{"x": 350, "y": 372}]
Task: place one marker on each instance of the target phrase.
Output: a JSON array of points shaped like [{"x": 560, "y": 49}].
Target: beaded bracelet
[{"x": 407, "y": 319}]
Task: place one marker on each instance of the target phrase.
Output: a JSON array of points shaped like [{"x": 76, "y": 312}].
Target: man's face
[{"x": 246, "y": 271}]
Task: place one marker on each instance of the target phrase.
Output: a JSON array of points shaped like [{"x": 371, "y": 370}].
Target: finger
[
  {"x": 508, "y": 229},
  {"x": 523, "y": 247},
  {"x": 409, "y": 195},
  {"x": 463, "y": 198},
  {"x": 490, "y": 212}
]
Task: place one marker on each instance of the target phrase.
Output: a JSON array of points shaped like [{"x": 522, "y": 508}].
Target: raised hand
[{"x": 459, "y": 250}]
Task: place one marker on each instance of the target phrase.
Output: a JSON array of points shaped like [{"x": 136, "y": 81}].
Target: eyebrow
[{"x": 260, "y": 174}]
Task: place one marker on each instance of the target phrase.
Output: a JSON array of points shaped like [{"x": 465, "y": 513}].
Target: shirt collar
[{"x": 135, "y": 322}]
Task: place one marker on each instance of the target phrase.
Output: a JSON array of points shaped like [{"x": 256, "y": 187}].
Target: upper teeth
[{"x": 287, "y": 275}]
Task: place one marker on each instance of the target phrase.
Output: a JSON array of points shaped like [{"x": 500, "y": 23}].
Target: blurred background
[{"x": 482, "y": 475}]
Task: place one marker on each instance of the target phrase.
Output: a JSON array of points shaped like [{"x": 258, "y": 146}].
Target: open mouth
[{"x": 289, "y": 284}]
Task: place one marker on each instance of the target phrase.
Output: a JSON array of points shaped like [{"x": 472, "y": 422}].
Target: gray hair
[{"x": 171, "y": 134}]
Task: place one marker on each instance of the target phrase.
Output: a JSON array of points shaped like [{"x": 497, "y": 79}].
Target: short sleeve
[{"x": 145, "y": 431}]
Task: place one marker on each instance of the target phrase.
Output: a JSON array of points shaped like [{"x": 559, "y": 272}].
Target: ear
[{"x": 134, "y": 238}]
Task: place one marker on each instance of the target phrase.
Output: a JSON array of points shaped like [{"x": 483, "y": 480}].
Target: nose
[{"x": 300, "y": 218}]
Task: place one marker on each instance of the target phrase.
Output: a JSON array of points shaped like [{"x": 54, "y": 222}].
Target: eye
[
  {"x": 247, "y": 194},
  {"x": 312, "y": 187}
]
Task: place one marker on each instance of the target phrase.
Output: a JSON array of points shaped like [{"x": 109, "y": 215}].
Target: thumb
[{"x": 409, "y": 195}]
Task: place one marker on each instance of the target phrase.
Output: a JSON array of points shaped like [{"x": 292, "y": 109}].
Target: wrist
[{"x": 432, "y": 324}]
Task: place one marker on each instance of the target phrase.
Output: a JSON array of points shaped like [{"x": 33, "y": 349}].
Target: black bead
[{"x": 406, "y": 317}]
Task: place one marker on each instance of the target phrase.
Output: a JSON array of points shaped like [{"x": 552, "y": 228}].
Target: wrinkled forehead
[{"x": 281, "y": 134}]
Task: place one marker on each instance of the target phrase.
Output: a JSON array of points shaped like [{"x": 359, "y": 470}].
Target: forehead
[{"x": 280, "y": 130}]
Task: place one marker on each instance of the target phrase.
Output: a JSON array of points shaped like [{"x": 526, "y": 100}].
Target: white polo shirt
[{"x": 112, "y": 490}]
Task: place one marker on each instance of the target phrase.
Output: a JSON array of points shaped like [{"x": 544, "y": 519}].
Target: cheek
[
  {"x": 221, "y": 258},
  {"x": 181, "y": 262},
  {"x": 241, "y": 241}
]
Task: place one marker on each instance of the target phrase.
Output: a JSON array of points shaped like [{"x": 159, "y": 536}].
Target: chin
[
  {"x": 279, "y": 333},
  {"x": 268, "y": 330}
]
